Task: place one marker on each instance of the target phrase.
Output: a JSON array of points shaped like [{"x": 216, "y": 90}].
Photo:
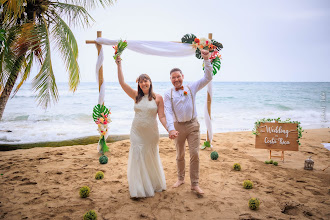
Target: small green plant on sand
[
  {"x": 248, "y": 184},
  {"x": 99, "y": 175},
  {"x": 90, "y": 215},
  {"x": 254, "y": 203},
  {"x": 237, "y": 167},
  {"x": 84, "y": 191}
]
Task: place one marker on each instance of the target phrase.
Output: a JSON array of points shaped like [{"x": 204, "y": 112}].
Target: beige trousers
[{"x": 188, "y": 131}]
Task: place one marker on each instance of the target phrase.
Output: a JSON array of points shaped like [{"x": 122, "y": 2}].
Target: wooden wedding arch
[{"x": 101, "y": 80}]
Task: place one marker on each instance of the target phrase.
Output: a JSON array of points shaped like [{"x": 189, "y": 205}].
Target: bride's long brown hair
[{"x": 140, "y": 94}]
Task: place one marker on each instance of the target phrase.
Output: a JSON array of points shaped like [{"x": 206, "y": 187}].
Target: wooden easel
[{"x": 282, "y": 155}]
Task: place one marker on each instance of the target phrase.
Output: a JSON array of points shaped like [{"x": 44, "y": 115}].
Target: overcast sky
[{"x": 263, "y": 40}]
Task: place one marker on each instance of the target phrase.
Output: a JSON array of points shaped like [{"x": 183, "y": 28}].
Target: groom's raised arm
[
  {"x": 208, "y": 74},
  {"x": 168, "y": 112}
]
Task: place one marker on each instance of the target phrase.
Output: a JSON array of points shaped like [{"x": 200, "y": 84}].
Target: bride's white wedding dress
[{"x": 145, "y": 172}]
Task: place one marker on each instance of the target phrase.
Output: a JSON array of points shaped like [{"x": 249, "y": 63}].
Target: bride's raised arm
[{"x": 129, "y": 91}]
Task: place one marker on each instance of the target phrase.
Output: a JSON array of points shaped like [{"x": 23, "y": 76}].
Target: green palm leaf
[
  {"x": 44, "y": 82},
  {"x": 91, "y": 3},
  {"x": 25, "y": 75},
  {"x": 66, "y": 43},
  {"x": 76, "y": 15}
]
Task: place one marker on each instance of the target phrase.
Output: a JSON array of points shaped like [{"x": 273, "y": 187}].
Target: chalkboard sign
[{"x": 277, "y": 136}]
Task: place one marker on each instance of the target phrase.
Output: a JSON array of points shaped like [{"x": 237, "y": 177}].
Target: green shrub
[
  {"x": 237, "y": 166},
  {"x": 214, "y": 155},
  {"x": 84, "y": 191},
  {"x": 103, "y": 159},
  {"x": 248, "y": 184},
  {"x": 90, "y": 215},
  {"x": 99, "y": 175},
  {"x": 275, "y": 163},
  {"x": 266, "y": 162},
  {"x": 254, "y": 203},
  {"x": 271, "y": 162}
]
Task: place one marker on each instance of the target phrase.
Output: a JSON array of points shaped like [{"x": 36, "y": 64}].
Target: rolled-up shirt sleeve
[
  {"x": 168, "y": 112},
  {"x": 208, "y": 76}
]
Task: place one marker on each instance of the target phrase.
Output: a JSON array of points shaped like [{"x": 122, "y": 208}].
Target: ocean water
[{"x": 235, "y": 107}]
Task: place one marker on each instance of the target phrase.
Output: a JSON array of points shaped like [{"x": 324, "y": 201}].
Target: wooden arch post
[
  {"x": 209, "y": 101},
  {"x": 99, "y": 47}
]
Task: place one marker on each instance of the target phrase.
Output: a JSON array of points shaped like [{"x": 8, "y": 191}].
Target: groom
[{"x": 182, "y": 123}]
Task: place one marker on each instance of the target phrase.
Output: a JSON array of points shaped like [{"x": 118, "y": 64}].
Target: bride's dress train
[{"x": 145, "y": 172}]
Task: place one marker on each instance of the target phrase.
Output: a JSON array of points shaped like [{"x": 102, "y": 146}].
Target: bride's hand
[{"x": 118, "y": 60}]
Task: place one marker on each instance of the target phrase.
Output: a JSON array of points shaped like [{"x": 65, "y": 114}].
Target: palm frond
[
  {"x": 44, "y": 82},
  {"x": 12, "y": 9},
  {"x": 89, "y": 4},
  {"x": 27, "y": 65},
  {"x": 76, "y": 15},
  {"x": 66, "y": 43},
  {"x": 8, "y": 57}
]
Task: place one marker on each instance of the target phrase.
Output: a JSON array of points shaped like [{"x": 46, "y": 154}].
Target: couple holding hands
[{"x": 177, "y": 113}]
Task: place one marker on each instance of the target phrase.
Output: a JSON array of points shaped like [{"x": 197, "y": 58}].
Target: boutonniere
[{"x": 185, "y": 93}]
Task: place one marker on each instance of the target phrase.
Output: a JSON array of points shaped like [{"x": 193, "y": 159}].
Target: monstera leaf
[
  {"x": 188, "y": 38},
  {"x": 217, "y": 44},
  {"x": 98, "y": 109},
  {"x": 216, "y": 65},
  {"x": 198, "y": 54}
]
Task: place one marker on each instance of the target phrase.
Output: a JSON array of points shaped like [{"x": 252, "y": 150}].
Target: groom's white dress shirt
[{"x": 182, "y": 104}]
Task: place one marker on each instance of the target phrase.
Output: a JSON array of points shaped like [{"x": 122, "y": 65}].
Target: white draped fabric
[{"x": 156, "y": 48}]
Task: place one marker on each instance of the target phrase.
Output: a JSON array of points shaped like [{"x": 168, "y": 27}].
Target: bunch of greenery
[
  {"x": 90, "y": 215},
  {"x": 248, "y": 184},
  {"x": 99, "y": 175},
  {"x": 237, "y": 167},
  {"x": 214, "y": 155},
  {"x": 103, "y": 159},
  {"x": 84, "y": 191},
  {"x": 254, "y": 203}
]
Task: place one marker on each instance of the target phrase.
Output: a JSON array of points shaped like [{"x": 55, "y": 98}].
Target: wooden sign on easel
[{"x": 277, "y": 136}]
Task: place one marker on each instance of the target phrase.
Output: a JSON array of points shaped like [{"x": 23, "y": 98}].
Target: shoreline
[
  {"x": 70, "y": 142},
  {"x": 93, "y": 140}
]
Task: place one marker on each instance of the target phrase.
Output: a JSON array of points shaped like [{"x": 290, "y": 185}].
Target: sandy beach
[{"x": 43, "y": 183}]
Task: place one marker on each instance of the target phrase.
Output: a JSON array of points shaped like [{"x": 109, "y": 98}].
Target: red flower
[
  {"x": 185, "y": 93},
  {"x": 197, "y": 40}
]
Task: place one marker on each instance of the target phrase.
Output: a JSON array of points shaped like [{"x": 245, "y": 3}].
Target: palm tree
[{"x": 27, "y": 30}]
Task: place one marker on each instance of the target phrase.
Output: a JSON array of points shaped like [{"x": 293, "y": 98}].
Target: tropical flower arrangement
[
  {"x": 211, "y": 45},
  {"x": 102, "y": 119},
  {"x": 119, "y": 48}
]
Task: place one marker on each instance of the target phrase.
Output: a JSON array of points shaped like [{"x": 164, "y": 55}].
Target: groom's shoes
[
  {"x": 178, "y": 183},
  {"x": 197, "y": 189}
]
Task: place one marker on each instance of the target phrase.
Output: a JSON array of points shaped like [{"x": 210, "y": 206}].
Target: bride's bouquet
[
  {"x": 102, "y": 119},
  {"x": 119, "y": 48}
]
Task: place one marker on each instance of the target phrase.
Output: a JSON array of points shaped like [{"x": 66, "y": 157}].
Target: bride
[{"x": 145, "y": 172}]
